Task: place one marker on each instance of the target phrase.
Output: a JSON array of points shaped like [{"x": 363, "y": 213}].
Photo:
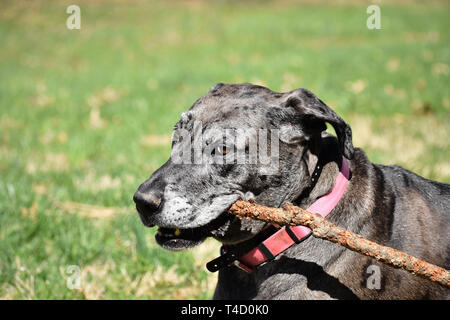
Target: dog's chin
[{"x": 176, "y": 239}]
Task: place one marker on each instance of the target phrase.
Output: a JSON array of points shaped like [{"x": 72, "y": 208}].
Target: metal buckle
[
  {"x": 227, "y": 258},
  {"x": 222, "y": 261},
  {"x": 242, "y": 266}
]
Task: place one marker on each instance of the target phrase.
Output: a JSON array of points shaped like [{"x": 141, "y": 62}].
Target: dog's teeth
[
  {"x": 177, "y": 232},
  {"x": 249, "y": 195},
  {"x": 241, "y": 194}
]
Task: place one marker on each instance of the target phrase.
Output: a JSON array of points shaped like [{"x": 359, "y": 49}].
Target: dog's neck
[{"x": 323, "y": 165}]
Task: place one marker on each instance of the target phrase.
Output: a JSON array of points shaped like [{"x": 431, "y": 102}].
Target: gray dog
[{"x": 386, "y": 204}]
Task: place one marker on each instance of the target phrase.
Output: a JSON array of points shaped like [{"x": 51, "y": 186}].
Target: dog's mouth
[{"x": 176, "y": 239}]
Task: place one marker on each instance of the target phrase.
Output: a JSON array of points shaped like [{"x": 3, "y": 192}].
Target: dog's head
[{"x": 217, "y": 157}]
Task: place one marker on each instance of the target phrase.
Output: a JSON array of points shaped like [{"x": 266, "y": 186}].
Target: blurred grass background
[{"x": 86, "y": 116}]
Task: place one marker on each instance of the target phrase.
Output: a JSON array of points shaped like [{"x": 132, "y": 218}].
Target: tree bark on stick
[{"x": 321, "y": 228}]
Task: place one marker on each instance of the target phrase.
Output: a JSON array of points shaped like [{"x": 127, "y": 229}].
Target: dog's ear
[{"x": 312, "y": 113}]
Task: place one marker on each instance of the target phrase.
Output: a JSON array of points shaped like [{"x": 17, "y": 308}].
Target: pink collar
[{"x": 285, "y": 236}]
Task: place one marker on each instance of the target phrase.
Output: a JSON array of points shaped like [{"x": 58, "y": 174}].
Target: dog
[{"x": 386, "y": 204}]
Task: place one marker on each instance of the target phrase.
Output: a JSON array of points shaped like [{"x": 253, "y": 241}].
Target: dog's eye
[
  {"x": 222, "y": 150},
  {"x": 176, "y": 138},
  {"x": 219, "y": 150}
]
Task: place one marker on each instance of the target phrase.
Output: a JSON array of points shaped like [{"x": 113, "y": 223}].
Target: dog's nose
[
  {"x": 149, "y": 197},
  {"x": 147, "y": 203}
]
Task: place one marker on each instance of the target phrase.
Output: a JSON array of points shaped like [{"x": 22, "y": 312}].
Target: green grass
[{"x": 84, "y": 116}]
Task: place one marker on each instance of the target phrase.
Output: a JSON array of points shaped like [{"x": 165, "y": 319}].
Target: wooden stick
[{"x": 321, "y": 228}]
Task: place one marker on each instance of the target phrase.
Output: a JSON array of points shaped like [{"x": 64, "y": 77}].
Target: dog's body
[{"x": 386, "y": 204}]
